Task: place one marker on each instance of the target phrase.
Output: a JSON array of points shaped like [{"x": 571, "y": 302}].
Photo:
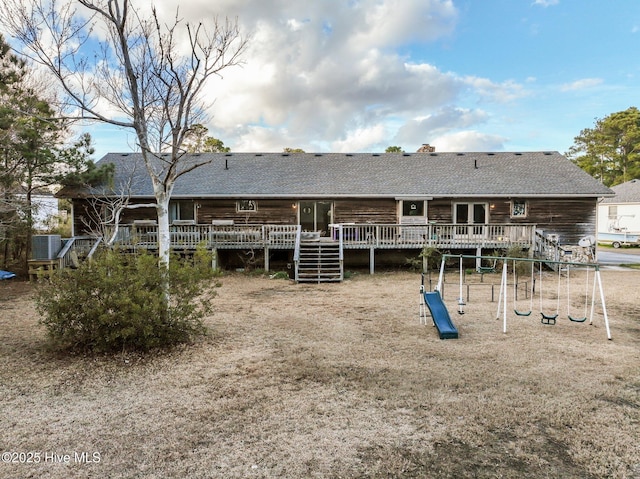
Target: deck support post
[
  {"x": 214, "y": 259},
  {"x": 372, "y": 260},
  {"x": 478, "y": 258},
  {"x": 266, "y": 258}
]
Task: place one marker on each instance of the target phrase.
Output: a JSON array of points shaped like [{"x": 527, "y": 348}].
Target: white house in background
[
  {"x": 619, "y": 216},
  {"x": 621, "y": 213},
  {"x": 45, "y": 210}
]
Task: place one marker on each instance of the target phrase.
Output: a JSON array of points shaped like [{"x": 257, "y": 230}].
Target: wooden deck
[
  {"x": 351, "y": 236},
  {"x": 448, "y": 237}
]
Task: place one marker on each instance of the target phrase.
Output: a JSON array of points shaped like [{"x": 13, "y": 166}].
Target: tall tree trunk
[
  {"x": 164, "y": 246},
  {"x": 164, "y": 236}
]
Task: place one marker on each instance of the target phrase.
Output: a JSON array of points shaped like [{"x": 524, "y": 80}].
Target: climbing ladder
[{"x": 319, "y": 261}]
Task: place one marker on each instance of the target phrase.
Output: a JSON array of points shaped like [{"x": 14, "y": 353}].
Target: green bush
[
  {"x": 523, "y": 268},
  {"x": 432, "y": 256},
  {"x": 119, "y": 302}
]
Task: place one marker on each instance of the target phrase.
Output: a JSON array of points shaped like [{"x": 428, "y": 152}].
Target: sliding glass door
[
  {"x": 315, "y": 216},
  {"x": 472, "y": 214}
]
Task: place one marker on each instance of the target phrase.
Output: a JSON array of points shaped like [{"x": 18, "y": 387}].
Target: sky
[{"x": 461, "y": 75}]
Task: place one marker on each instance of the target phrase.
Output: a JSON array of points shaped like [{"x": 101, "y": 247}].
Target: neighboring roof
[
  {"x": 628, "y": 192},
  {"x": 332, "y": 175}
]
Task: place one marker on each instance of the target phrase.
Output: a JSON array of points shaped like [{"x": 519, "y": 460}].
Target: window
[
  {"x": 518, "y": 209},
  {"x": 470, "y": 213},
  {"x": 244, "y": 206},
  {"x": 613, "y": 212},
  {"x": 181, "y": 210},
  {"x": 412, "y": 208}
]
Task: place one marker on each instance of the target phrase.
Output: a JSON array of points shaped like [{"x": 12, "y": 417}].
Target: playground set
[{"x": 432, "y": 302}]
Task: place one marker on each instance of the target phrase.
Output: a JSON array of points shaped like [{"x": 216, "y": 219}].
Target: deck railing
[
  {"x": 77, "y": 248},
  {"x": 437, "y": 235},
  {"x": 352, "y": 236},
  {"x": 189, "y": 237}
]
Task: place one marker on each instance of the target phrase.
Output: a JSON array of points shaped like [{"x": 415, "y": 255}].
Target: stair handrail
[
  {"x": 64, "y": 255},
  {"x": 341, "y": 252},
  {"x": 546, "y": 248},
  {"x": 296, "y": 251},
  {"x": 94, "y": 248}
]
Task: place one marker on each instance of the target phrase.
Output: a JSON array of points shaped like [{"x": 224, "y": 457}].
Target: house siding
[
  {"x": 377, "y": 211},
  {"x": 278, "y": 212},
  {"x": 570, "y": 219}
]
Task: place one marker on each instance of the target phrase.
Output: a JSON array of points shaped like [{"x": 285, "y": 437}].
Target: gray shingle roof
[
  {"x": 628, "y": 192},
  {"x": 372, "y": 175}
]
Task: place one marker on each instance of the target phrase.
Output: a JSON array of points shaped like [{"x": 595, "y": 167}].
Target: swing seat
[
  {"x": 522, "y": 313},
  {"x": 485, "y": 269},
  {"x": 548, "y": 319},
  {"x": 577, "y": 320},
  {"x": 461, "y": 305},
  {"x": 490, "y": 268}
]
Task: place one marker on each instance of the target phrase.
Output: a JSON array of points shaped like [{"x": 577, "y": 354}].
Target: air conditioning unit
[{"x": 45, "y": 246}]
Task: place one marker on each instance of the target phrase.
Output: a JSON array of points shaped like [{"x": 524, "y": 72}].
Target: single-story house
[
  {"x": 619, "y": 215},
  {"x": 365, "y": 205}
]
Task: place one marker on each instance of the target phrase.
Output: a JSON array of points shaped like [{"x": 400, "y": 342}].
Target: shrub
[
  {"x": 432, "y": 256},
  {"x": 118, "y": 302},
  {"x": 523, "y": 268}
]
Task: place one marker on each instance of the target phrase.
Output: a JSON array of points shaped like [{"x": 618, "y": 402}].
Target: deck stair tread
[{"x": 319, "y": 261}]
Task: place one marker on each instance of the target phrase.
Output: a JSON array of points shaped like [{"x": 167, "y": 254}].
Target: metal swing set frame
[{"x": 547, "y": 318}]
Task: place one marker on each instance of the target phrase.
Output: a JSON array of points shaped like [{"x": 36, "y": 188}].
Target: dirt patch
[{"x": 336, "y": 380}]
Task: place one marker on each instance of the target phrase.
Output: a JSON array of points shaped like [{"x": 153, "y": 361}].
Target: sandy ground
[{"x": 336, "y": 380}]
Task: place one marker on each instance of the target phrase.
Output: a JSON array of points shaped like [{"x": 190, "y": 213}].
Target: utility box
[{"x": 45, "y": 247}]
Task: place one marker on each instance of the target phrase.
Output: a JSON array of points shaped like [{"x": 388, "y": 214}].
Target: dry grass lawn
[{"x": 335, "y": 380}]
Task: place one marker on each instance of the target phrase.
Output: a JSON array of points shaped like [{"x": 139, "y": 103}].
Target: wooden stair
[{"x": 319, "y": 262}]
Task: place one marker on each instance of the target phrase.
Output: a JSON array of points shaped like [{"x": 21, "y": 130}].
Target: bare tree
[
  {"x": 104, "y": 210},
  {"x": 148, "y": 74}
]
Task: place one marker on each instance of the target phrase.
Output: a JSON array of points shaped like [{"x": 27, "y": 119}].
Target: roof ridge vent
[
  {"x": 548, "y": 153},
  {"x": 517, "y": 153},
  {"x": 406, "y": 154},
  {"x": 490, "y": 153},
  {"x": 433, "y": 154},
  {"x": 348, "y": 154},
  {"x": 258, "y": 154},
  {"x": 317, "y": 154},
  {"x": 459, "y": 154}
]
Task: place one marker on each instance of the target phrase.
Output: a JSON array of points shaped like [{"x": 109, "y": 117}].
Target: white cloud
[
  {"x": 329, "y": 76},
  {"x": 360, "y": 139},
  {"x": 546, "y": 3},
  {"x": 582, "y": 84},
  {"x": 496, "y": 92},
  {"x": 469, "y": 141},
  {"x": 442, "y": 122}
]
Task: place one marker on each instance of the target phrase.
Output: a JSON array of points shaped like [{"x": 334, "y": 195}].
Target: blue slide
[{"x": 440, "y": 315}]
